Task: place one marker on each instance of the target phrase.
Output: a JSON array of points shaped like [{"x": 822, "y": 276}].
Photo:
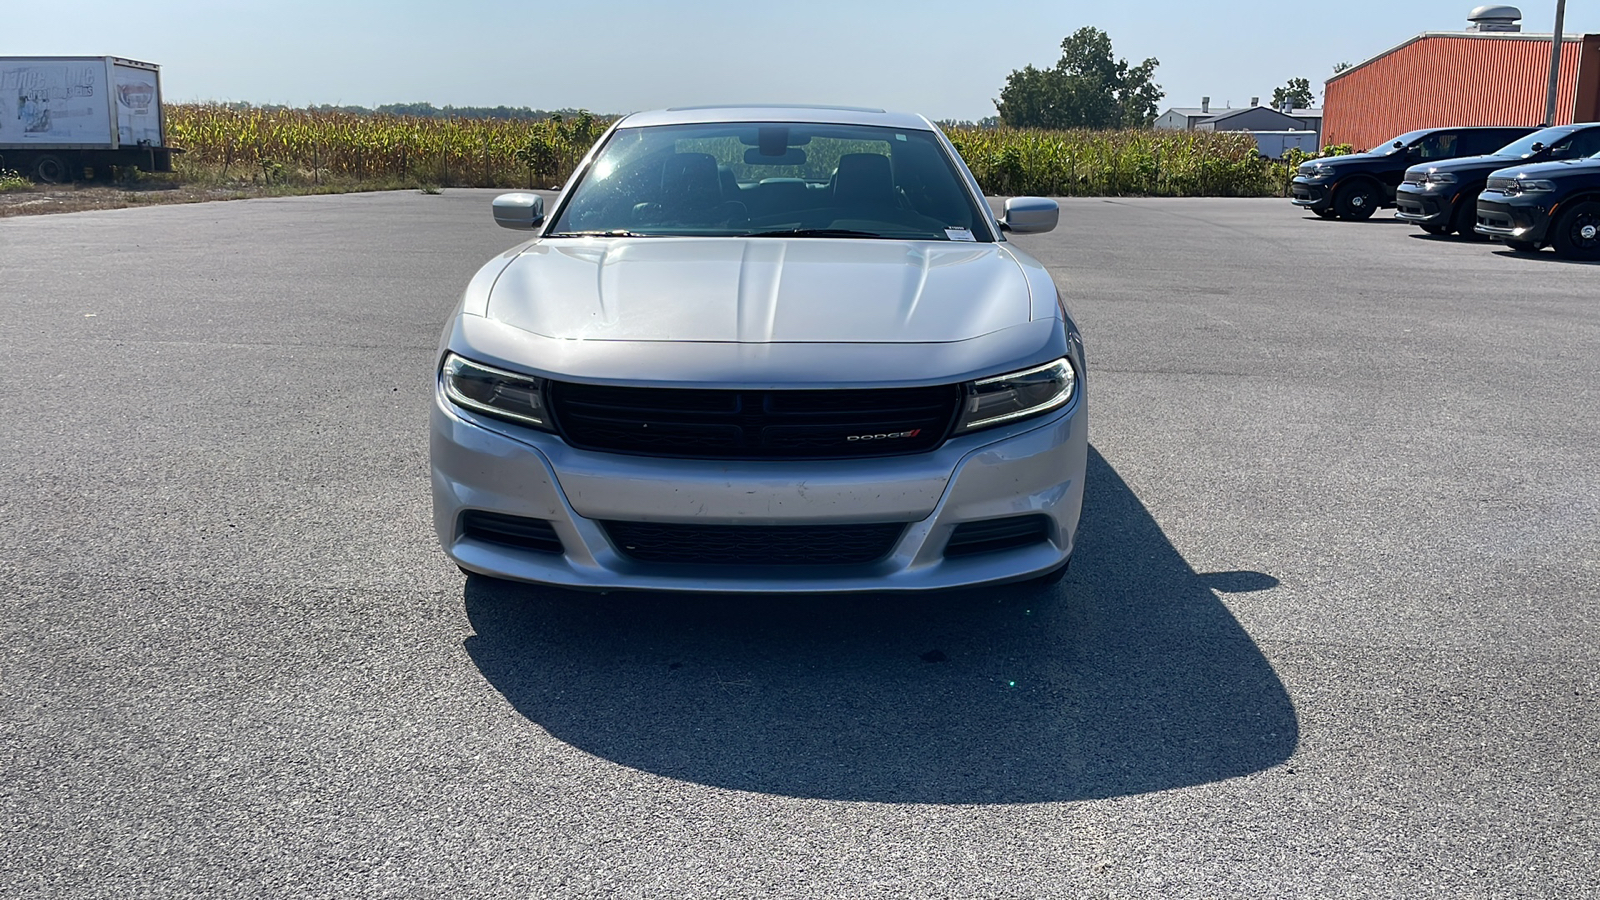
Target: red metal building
[{"x": 1439, "y": 79}]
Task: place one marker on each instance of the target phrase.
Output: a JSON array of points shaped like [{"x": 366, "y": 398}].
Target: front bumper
[
  {"x": 1312, "y": 195},
  {"x": 1520, "y": 219},
  {"x": 1034, "y": 467},
  {"x": 1423, "y": 207}
]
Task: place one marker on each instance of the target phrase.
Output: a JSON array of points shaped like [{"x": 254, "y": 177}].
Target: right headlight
[
  {"x": 1531, "y": 186},
  {"x": 494, "y": 392},
  {"x": 1017, "y": 395}
]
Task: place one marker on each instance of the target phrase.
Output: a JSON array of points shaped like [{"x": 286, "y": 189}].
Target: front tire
[
  {"x": 1465, "y": 220},
  {"x": 1358, "y": 201},
  {"x": 1577, "y": 234},
  {"x": 50, "y": 169},
  {"x": 1325, "y": 213}
]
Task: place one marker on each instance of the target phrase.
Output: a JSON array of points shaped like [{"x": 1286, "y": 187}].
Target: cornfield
[
  {"x": 1132, "y": 162},
  {"x": 303, "y": 146},
  {"x": 288, "y": 146}
]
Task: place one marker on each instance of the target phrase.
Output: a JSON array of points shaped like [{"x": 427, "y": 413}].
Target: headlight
[
  {"x": 1018, "y": 395},
  {"x": 1323, "y": 171},
  {"x": 1530, "y": 186},
  {"x": 494, "y": 392},
  {"x": 1439, "y": 178}
]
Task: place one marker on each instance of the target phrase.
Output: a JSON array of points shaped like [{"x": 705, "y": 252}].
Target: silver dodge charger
[{"x": 763, "y": 349}]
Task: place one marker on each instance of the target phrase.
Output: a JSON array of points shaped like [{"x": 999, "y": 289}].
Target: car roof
[{"x": 828, "y": 115}]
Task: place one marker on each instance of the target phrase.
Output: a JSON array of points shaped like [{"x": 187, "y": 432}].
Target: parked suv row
[
  {"x": 1540, "y": 188},
  {"x": 1354, "y": 187}
]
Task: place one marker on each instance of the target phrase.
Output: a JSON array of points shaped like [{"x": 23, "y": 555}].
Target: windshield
[
  {"x": 1387, "y": 148},
  {"x": 773, "y": 179},
  {"x": 1523, "y": 147}
]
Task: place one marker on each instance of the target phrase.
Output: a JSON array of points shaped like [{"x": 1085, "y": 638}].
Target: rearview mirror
[
  {"x": 523, "y": 212},
  {"x": 1030, "y": 215}
]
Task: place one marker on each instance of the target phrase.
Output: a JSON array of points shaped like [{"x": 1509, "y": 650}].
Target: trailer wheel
[{"x": 50, "y": 169}]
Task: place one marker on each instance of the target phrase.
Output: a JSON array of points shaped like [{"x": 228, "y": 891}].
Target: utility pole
[{"x": 1555, "y": 65}]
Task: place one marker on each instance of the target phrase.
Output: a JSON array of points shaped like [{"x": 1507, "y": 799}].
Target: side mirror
[
  {"x": 1399, "y": 144},
  {"x": 1030, "y": 215},
  {"x": 1537, "y": 146},
  {"x": 523, "y": 212}
]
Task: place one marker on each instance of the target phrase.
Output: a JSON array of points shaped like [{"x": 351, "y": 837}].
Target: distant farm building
[
  {"x": 1275, "y": 130},
  {"x": 1491, "y": 74}
]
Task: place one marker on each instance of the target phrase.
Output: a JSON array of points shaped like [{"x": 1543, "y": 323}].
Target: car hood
[
  {"x": 1465, "y": 164},
  {"x": 760, "y": 290},
  {"x": 1555, "y": 169},
  {"x": 1344, "y": 161}
]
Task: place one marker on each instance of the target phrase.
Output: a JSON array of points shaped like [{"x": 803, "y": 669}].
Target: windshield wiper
[
  {"x": 599, "y": 234},
  {"x": 816, "y": 232}
]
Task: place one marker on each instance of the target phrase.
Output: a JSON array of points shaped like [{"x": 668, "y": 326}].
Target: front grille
[
  {"x": 1499, "y": 183},
  {"x": 992, "y": 535},
  {"x": 734, "y": 424},
  {"x": 1493, "y": 221},
  {"x": 510, "y": 531},
  {"x": 770, "y": 545}
]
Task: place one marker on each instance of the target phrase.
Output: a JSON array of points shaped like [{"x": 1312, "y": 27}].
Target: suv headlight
[
  {"x": 1530, "y": 186},
  {"x": 1323, "y": 171},
  {"x": 494, "y": 392},
  {"x": 1439, "y": 178},
  {"x": 1017, "y": 395}
]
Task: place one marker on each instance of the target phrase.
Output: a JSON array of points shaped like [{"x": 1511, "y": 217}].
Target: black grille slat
[
  {"x": 754, "y": 424},
  {"x": 992, "y": 535},
  {"x": 510, "y": 531},
  {"x": 765, "y": 545}
]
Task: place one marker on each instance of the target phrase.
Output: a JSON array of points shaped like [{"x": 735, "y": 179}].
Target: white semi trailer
[{"x": 61, "y": 115}]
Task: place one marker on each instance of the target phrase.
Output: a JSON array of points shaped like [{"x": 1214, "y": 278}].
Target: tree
[
  {"x": 1340, "y": 67},
  {"x": 1297, "y": 94},
  {"x": 1087, "y": 88}
]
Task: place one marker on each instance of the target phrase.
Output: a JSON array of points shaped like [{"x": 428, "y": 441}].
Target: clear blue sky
[{"x": 944, "y": 59}]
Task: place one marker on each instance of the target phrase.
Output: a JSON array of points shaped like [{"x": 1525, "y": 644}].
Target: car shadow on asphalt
[
  {"x": 1545, "y": 256},
  {"x": 1130, "y": 676}
]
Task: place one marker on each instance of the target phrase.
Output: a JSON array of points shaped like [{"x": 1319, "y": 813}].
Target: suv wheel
[
  {"x": 1577, "y": 235},
  {"x": 1465, "y": 221},
  {"x": 1357, "y": 201},
  {"x": 1325, "y": 213}
]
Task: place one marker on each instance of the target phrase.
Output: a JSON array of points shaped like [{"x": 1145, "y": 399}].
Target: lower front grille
[
  {"x": 510, "y": 531},
  {"x": 769, "y": 545},
  {"x": 993, "y": 535}
]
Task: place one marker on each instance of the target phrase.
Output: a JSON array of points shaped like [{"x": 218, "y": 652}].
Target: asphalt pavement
[{"x": 1332, "y": 629}]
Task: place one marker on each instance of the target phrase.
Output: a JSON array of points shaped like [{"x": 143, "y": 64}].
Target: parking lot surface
[{"x": 1332, "y": 629}]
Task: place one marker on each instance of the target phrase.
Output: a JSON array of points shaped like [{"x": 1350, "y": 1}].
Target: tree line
[{"x": 1089, "y": 87}]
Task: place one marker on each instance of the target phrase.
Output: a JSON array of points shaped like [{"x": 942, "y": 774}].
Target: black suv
[
  {"x": 1555, "y": 203},
  {"x": 1442, "y": 197},
  {"x": 1353, "y": 187}
]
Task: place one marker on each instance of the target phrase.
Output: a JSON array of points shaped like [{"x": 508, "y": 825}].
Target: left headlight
[
  {"x": 1439, "y": 178},
  {"x": 1017, "y": 395},
  {"x": 1323, "y": 171},
  {"x": 494, "y": 392}
]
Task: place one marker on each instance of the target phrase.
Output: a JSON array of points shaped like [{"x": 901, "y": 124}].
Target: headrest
[
  {"x": 863, "y": 178},
  {"x": 690, "y": 176}
]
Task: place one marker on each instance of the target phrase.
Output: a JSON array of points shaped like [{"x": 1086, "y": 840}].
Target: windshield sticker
[{"x": 959, "y": 234}]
